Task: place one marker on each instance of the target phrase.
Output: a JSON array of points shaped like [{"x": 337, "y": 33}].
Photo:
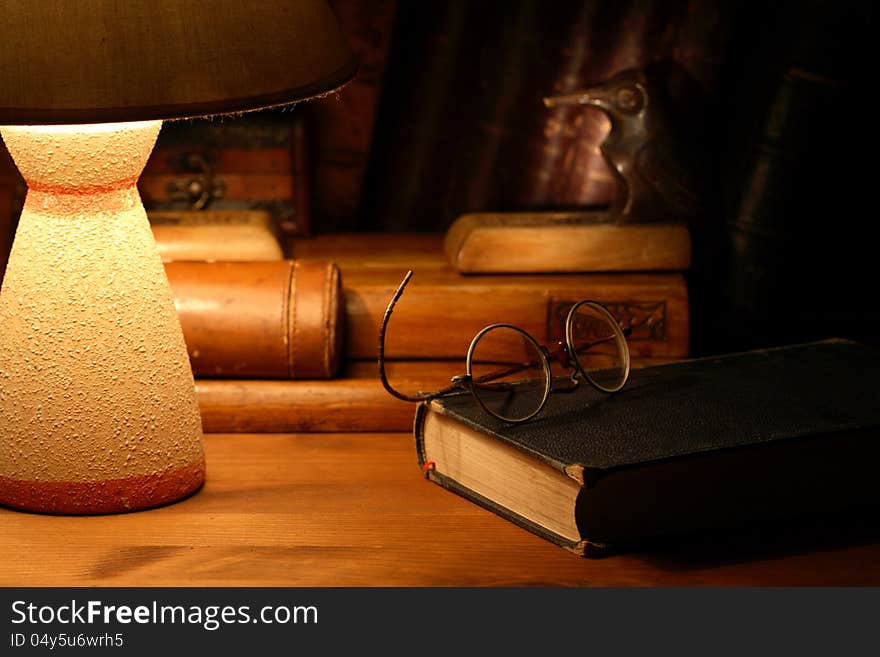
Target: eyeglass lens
[
  {"x": 599, "y": 346},
  {"x": 509, "y": 374}
]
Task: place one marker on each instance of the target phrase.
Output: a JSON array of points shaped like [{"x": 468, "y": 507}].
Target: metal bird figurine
[{"x": 652, "y": 164}]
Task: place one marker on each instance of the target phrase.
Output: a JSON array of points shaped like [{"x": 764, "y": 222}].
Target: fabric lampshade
[{"x": 93, "y": 61}]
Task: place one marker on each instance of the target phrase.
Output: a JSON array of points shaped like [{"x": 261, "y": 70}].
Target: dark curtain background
[{"x": 773, "y": 93}]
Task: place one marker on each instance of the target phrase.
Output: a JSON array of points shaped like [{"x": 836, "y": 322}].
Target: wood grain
[
  {"x": 355, "y": 402},
  {"x": 354, "y": 510},
  {"x": 321, "y": 406},
  {"x": 441, "y": 311},
  {"x": 215, "y": 235},
  {"x": 417, "y": 251},
  {"x": 557, "y": 242}
]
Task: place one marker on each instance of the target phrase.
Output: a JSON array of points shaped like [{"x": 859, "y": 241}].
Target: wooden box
[{"x": 257, "y": 161}]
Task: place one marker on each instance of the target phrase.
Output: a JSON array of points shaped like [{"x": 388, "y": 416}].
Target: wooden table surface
[{"x": 353, "y": 510}]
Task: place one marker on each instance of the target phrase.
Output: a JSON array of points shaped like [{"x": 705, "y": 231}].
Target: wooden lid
[{"x": 75, "y": 61}]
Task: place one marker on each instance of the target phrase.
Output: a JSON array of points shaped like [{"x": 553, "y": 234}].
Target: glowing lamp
[{"x": 98, "y": 411}]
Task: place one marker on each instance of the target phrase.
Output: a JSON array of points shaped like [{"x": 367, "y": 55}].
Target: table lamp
[{"x": 98, "y": 411}]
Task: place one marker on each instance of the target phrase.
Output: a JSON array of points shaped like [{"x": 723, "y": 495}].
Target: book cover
[{"x": 709, "y": 443}]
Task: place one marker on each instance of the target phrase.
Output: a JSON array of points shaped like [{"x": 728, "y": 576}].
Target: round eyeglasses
[{"x": 509, "y": 373}]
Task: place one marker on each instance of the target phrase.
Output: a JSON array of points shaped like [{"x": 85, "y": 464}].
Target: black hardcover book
[{"x": 710, "y": 443}]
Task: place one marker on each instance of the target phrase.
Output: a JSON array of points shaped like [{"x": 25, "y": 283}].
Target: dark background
[
  {"x": 445, "y": 117},
  {"x": 773, "y": 93}
]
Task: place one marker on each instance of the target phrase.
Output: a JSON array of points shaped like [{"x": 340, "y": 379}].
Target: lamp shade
[{"x": 93, "y": 61}]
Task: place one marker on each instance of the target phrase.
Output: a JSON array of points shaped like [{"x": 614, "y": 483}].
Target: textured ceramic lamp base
[{"x": 99, "y": 412}]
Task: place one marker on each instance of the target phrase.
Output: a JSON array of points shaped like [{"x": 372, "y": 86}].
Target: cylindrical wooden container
[{"x": 260, "y": 320}]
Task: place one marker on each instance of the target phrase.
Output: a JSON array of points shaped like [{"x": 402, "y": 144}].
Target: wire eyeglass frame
[{"x": 564, "y": 353}]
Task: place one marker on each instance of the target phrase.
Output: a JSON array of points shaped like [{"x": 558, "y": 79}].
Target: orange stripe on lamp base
[{"x": 107, "y": 496}]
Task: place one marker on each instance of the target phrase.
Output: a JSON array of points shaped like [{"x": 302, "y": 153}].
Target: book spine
[
  {"x": 794, "y": 185},
  {"x": 277, "y": 320},
  {"x": 557, "y": 242},
  {"x": 441, "y": 312}
]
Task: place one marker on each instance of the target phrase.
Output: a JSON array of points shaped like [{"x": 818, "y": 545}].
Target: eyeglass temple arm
[
  {"x": 382, "y": 329},
  {"x": 382, "y": 374}
]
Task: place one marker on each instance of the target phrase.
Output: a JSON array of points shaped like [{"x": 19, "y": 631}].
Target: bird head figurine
[
  {"x": 648, "y": 156},
  {"x": 622, "y": 98}
]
